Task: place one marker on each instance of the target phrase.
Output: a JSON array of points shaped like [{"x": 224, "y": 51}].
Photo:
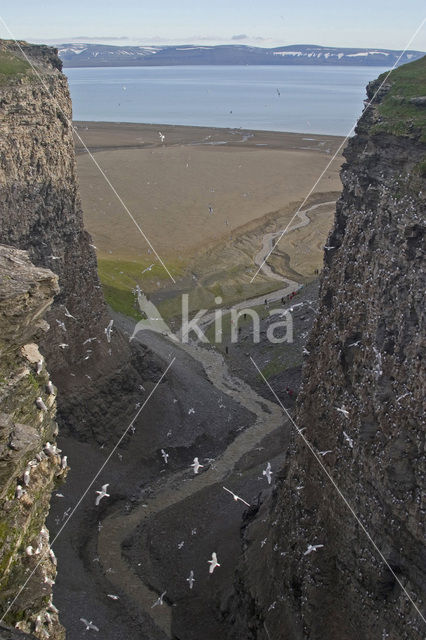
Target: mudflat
[
  {"x": 196, "y": 186},
  {"x": 204, "y": 198}
]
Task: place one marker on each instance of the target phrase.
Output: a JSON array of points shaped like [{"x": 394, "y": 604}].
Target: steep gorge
[
  {"x": 364, "y": 358},
  {"x": 361, "y": 408}
]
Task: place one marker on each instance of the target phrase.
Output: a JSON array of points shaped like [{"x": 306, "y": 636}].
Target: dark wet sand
[{"x": 103, "y": 136}]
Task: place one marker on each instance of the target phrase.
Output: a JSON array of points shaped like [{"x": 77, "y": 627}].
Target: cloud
[
  {"x": 97, "y": 38},
  {"x": 240, "y": 36}
]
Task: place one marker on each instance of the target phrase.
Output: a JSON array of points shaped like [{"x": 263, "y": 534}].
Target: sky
[{"x": 265, "y": 23}]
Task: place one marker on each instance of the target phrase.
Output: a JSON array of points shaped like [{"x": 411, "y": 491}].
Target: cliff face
[
  {"x": 40, "y": 212},
  {"x": 366, "y": 352},
  {"x": 30, "y": 464}
]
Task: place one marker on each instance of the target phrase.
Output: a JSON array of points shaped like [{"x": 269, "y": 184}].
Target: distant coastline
[{"x": 100, "y": 55}]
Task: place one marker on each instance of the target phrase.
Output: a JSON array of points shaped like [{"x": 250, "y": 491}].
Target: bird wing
[
  {"x": 84, "y": 621},
  {"x": 94, "y": 627},
  {"x": 97, "y": 501},
  {"x": 105, "y": 487}
]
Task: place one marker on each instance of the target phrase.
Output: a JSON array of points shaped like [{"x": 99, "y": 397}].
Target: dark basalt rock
[
  {"x": 41, "y": 213},
  {"x": 26, "y": 292},
  {"x": 366, "y": 356}
]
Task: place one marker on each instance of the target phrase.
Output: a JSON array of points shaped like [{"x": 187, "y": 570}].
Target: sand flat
[{"x": 170, "y": 186}]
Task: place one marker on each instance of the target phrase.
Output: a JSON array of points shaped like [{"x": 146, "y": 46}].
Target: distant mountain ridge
[{"x": 101, "y": 55}]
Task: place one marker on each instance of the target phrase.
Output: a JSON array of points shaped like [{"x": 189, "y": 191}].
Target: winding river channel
[{"x": 267, "y": 417}]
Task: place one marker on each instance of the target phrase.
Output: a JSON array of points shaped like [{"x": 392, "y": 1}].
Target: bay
[{"x": 301, "y": 99}]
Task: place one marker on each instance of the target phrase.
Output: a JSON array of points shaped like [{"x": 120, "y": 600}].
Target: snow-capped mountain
[{"x": 100, "y": 55}]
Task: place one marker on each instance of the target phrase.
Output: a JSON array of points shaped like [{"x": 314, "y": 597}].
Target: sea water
[{"x": 303, "y": 99}]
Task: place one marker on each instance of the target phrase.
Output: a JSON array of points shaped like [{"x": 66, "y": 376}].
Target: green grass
[
  {"x": 11, "y": 66},
  {"x": 398, "y": 115},
  {"x": 273, "y": 368},
  {"x": 421, "y": 168},
  {"x": 119, "y": 277}
]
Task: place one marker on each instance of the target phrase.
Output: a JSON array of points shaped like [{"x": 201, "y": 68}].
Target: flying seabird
[
  {"x": 191, "y": 410},
  {"x": 236, "y": 498},
  {"x": 162, "y": 136},
  {"x": 61, "y": 324},
  {"x": 160, "y": 600},
  {"x": 312, "y": 547},
  {"x": 348, "y": 440},
  {"x": 343, "y": 410},
  {"x": 68, "y": 314},
  {"x": 191, "y": 579},
  {"x": 112, "y": 596},
  {"x": 89, "y": 625},
  {"x": 63, "y": 345},
  {"x": 268, "y": 473},
  {"x": 165, "y": 455},
  {"x": 108, "y": 330},
  {"x": 328, "y": 248},
  {"x": 213, "y": 562},
  {"x": 196, "y": 466},
  {"x": 148, "y": 268},
  {"x": 102, "y": 494}
]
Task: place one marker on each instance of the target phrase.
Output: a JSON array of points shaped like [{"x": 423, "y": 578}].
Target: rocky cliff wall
[
  {"x": 362, "y": 402},
  {"x": 30, "y": 463},
  {"x": 40, "y": 212}
]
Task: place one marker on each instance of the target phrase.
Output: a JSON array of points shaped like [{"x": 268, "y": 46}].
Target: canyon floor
[
  {"x": 131, "y": 545},
  {"x": 161, "y": 520}
]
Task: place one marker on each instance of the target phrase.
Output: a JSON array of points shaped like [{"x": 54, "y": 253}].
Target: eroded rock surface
[
  {"x": 362, "y": 402},
  {"x": 30, "y": 463},
  {"x": 41, "y": 213}
]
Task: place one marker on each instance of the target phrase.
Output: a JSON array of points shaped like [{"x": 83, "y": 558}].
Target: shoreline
[{"x": 106, "y": 136}]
